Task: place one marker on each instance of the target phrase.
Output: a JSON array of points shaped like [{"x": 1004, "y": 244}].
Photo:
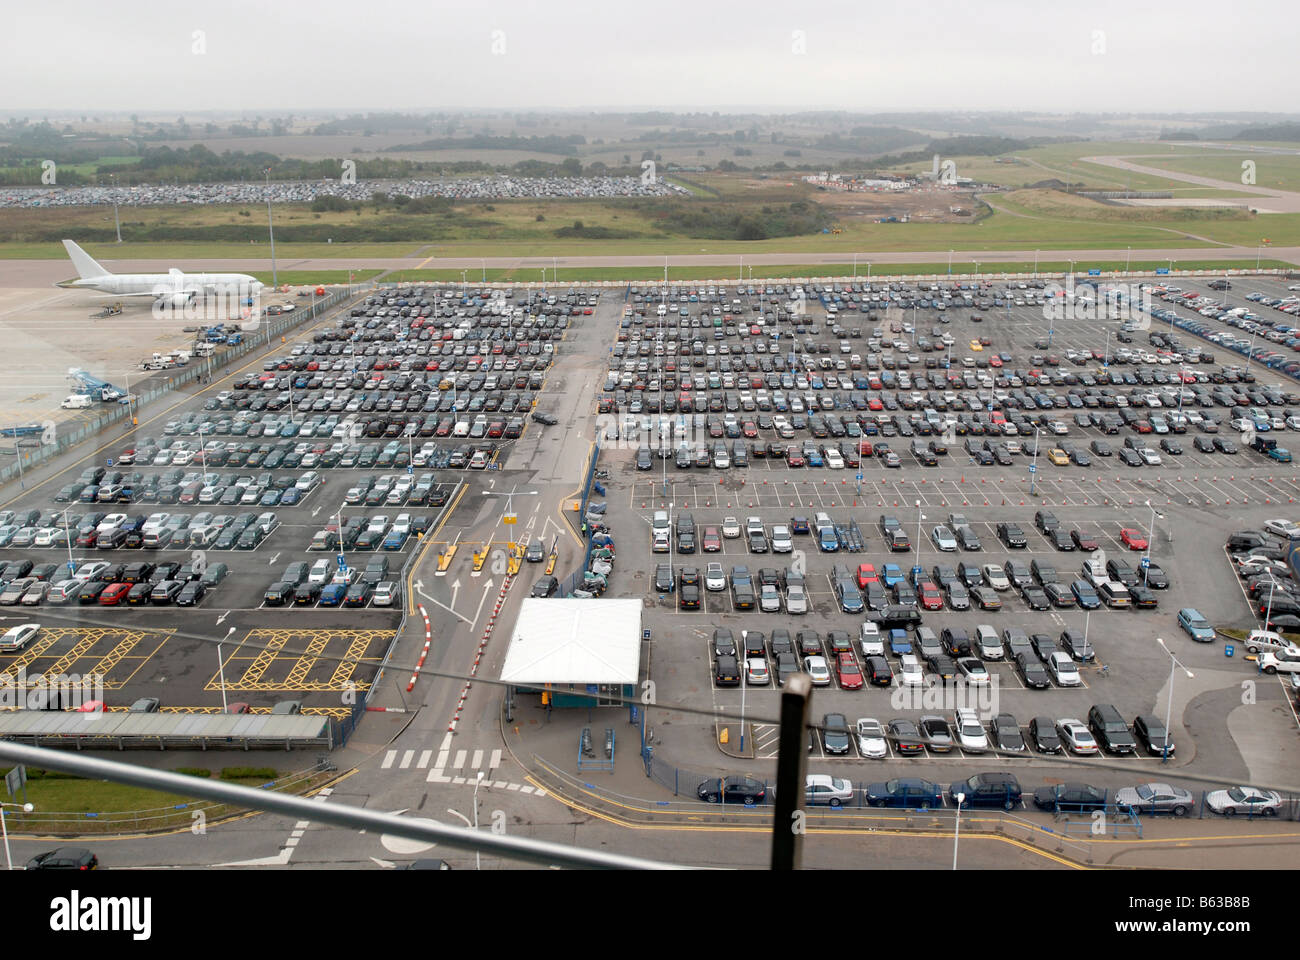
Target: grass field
[
  {"x": 304, "y": 277},
  {"x": 1276, "y": 171},
  {"x": 1027, "y": 220},
  {"x": 840, "y": 270},
  {"x": 71, "y": 805}
]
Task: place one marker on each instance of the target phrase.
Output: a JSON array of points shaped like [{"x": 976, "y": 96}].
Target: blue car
[
  {"x": 395, "y": 540},
  {"x": 910, "y": 792},
  {"x": 271, "y": 498},
  {"x": 1085, "y": 594},
  {"x": 1196, "y": 626},
  {"x": 332, "y": 595},
  {"x": 290, "y": 497},
  {"x": 891, "y": 573},
  {"x": 814, "y": 457}
]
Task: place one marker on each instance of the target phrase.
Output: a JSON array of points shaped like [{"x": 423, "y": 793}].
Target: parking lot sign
[
  {"x": 343, "y": 563},
  {"x": 1033, "y": 468},
  {"x": 859, "y": 478},
  {"x": 1146, "y": 562},
  {"x": 1095, "y": 272},
  {"x": 110, "y": 461}
]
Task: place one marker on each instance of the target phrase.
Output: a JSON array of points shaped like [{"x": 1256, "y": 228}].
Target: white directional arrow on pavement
[
  {"x": 487, "y": 587},
  {"x": 386, "y": 864},
  {"x": 455, "y": 589},
  {"x": 222, "y": 619},
  {"x": 419, "y": 588},
  {"x": 272, "y": 560}
]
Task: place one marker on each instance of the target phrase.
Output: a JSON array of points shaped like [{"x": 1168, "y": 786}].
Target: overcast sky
[{"x": 267, "y": 57}]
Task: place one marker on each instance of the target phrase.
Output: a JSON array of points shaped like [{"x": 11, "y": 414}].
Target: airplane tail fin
[{"x": 84, "y": 262}]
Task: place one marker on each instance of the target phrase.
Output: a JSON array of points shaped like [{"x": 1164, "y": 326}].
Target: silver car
[
  {"x": 1155, "y": 798},
  {"x": 715, "y": 578},
  {"x": 1248, "y": 800},
  {"x": 943, "y": 539},
  {"x": 796, "y": 599}
]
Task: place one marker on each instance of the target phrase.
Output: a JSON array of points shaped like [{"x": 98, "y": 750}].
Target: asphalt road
[{"x": 41, "y": 273}]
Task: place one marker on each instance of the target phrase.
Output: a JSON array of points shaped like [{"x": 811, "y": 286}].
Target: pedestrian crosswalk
[{"x": 457, "y": 766}]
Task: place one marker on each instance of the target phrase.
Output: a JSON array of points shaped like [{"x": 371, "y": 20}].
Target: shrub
[
  {"x": 249, "y": 773},
  {"x": 203, "y": 772}
]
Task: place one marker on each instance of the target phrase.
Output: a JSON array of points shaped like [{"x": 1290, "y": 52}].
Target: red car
[
  {"x": 1084, "y": 539},
  {"x": 793, "y": 457},
  {"x": 867, "y": 574},
  {"x": 750, "y": 429},
  {"x": 1133, "y": 538},
  {"x": 930, "y": 597},
  {"x": 875, "y": 404},
  {"x": 995, "y": 361},
  {"x": 849, "y": 673},
  {"x": 114, "y": 594},
  {"x": 1143, "y": 426},
  {"x": 711, "y": 542}
]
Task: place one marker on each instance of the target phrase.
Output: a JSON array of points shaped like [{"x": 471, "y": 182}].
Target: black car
[
  {"x": 1032, "y": 672},
  {"x": 1156, "y": 577},
  {"x": 1006, "y": 733},
  {"x": 1069, "y": 798},
  {"x": 1012, "y": 536},
  {"x": 1042, "y": 731},
  {"x": 191, "y": 593},
  {"x": 1150, "y": 732},
  {"x": 745, "y": 790},
  {"x": 835, "y": 733},
  {"x": 724, "y": 644},
  {"x": 1077, "y": 646},
  {"x": 905, "y": 792},
  {"x": 64, "y": 858},
  {"x": 278, "y": 594},
  {"x": 726, "y": 672},
  {"x": 545, "y": 586},
  {"x": 988, "y": 790},
  {"x": 690, "y": 596},
  {"x": 663, "y": 578}
]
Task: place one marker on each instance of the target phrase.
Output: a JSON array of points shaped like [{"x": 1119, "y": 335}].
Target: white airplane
[{"x": 171, "y": 289}]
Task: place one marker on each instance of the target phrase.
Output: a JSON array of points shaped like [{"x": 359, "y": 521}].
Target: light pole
[
  {"x": 117, "y": 223},
  {"x": 1033, "y": 467},
  {"x": 1035, "y": 263},
  {"x": 221, "y": 668},
  {"x": 1169, "y": 705},
  {"x": 950, "y": 262},
  {"x": 478, "y": 857},
  {"x": 26, "y": 808},
  {"x": 67, "y": 536},
  {"x": 868, "y": 273},
  {"x": 270, "y": 227},
  {"x": 956, "y": 836},
  {"x": 1128, "y": 257},
  {"x": 1151, "y": 539},
  {"x": 1170, "y": 271},
  {"x": 855, "y": 266},
  {"x": 920, "y": 517}
]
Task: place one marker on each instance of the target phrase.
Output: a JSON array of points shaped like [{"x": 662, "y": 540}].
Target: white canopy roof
[{"x": 573, "y": 641}]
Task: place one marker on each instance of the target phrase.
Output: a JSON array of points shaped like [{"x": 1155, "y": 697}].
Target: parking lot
[
  {"x": 284, "y": 503},
  {"x": 713, "y": 416}
]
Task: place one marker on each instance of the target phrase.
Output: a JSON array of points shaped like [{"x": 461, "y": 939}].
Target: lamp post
[
  {"x": 1035, "y": 263},
  {"x": 1128, "y": 257},
  {"x": 1151, "y": 539},
  {"x": 221, "y": 667},
  {"x": 117, "y": 223},
  {"x": 920, "y": 517},
  {"x": 1033, "y": 467},
  {"x": 1169, "y": 706},
  {"x": 270, "y": 227},
  {"x": 478, "y": 857},
  {"x": 855, "y": 266},
  {"x": 949, "y": 261},
  {"x": 956, "y": 836},
  {"x": 25, "y": 808},
  {"x": 484, "y": 265}
]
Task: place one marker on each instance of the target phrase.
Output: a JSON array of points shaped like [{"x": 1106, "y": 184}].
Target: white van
[{"x": 77, "y": 401}]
